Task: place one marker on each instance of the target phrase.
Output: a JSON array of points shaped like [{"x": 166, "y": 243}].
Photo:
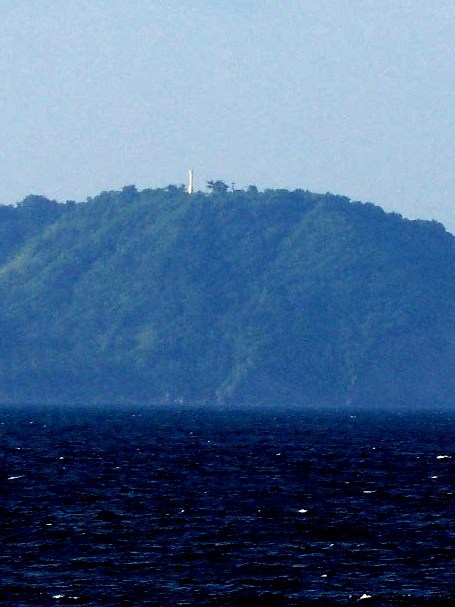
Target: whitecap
[
  {"x": 365, "y": 596},
  {"x": 443, "y": 457},
  {"x": 58, "y": 596},
  {"x": 12, "y": 478},
  {"x": 302, "y": 511},
  {"x": 370, "y": 491},
  {"x": 433, "y": 477}
]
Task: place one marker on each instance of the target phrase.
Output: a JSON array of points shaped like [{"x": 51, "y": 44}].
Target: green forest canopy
[{"x": 228, "y": 296}]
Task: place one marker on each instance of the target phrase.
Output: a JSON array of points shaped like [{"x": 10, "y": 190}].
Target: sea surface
[{"x": 172, "y": 506}]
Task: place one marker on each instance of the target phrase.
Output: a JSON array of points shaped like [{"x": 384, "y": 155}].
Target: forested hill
[{"x": 245, "y": 296}]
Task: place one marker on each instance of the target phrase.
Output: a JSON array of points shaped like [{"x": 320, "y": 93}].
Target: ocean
[{"x": 173, "y": 506}]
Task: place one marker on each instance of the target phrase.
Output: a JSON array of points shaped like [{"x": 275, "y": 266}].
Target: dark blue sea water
[{"x": 192, "y": 506}]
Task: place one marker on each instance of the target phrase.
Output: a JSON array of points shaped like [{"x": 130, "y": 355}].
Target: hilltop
[{"x": 245, "y": 296}]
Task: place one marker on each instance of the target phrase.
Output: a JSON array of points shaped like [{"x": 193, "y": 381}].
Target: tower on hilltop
[{"x": 190, "y": 181}]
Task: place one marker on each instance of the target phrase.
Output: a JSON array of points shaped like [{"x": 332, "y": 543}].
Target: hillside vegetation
[{"x": 245, "y": 296}]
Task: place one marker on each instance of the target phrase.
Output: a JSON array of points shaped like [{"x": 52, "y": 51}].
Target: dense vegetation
[{"x": 240, "y": 296}]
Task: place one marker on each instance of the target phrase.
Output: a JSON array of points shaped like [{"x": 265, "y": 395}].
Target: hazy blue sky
[{"x": 350, "y": 96}]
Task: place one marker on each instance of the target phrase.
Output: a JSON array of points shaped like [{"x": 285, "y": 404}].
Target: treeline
[{"x": 232, "y": 295}]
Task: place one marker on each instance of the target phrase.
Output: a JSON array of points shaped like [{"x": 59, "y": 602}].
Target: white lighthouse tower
[{"x": 190, "y": 181}]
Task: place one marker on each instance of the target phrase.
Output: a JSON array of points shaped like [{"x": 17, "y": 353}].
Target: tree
[
  {"x": 40, "y": 207},
  {"x": 37, "y": 202},
  {"x": 173, "y": 189},
  {"x": 217, "y": 187},
  {"x": 129, "y": 193}
]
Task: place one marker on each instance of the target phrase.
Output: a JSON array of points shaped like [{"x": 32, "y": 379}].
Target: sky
[{"x": 354, "y": 97}]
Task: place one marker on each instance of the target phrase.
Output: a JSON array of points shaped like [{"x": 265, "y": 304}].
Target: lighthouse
[{"x": 190, "y": 181}]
